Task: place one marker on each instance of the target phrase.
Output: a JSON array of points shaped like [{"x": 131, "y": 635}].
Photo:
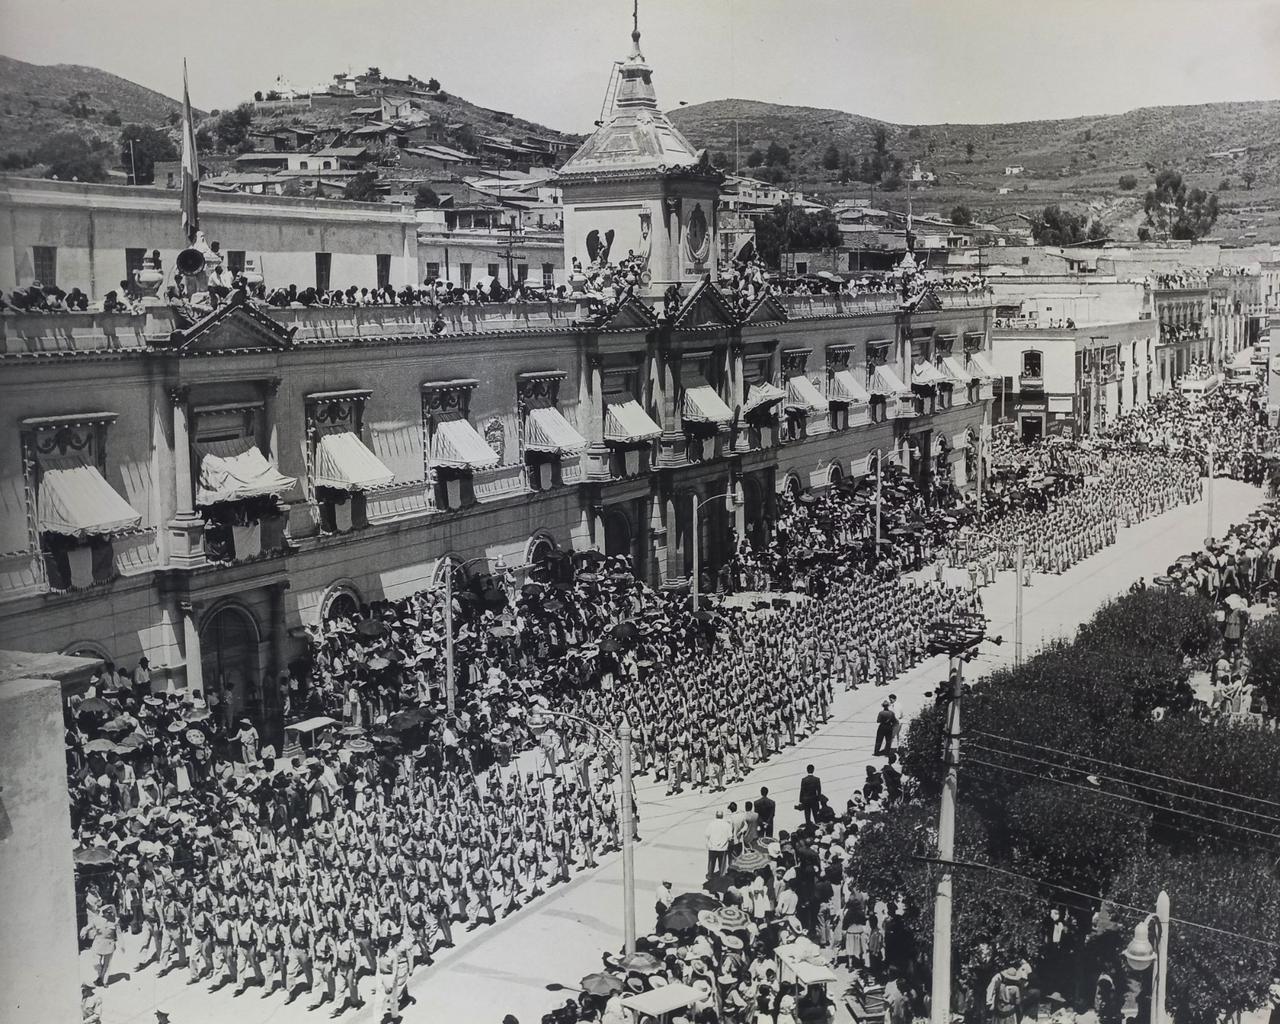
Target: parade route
[{"x": 506, "y": 967}]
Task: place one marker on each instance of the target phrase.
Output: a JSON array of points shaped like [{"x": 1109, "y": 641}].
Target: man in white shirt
[{"x": 719, "y": 834}]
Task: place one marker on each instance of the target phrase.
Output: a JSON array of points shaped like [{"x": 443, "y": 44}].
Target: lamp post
[
  {"x": 1020, "y": 555},
  {"x": 450, "y": 688},
  {"x": 626, "y": 819},
  {"x": 1142, "y": 956},
  {"x": 133, "y": 163},
  {"x": 732, "y": 499}
]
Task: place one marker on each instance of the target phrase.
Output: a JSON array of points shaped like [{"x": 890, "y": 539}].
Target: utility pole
[
  {"x": 879, "y": 481},
  {"x": 1017, "y": 606},
  {"x": 133, "y": 164},
  {"x": 450, "y": 692},
  {"x": 1209, "y": 494},
  {"x": 627, "y": 825}
]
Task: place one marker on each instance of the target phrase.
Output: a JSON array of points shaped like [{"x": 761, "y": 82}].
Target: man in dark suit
[
  {"x": 765, "y": 808},
  {"x": 810, "y": 795},
  {"x": 885, "y": 721}
]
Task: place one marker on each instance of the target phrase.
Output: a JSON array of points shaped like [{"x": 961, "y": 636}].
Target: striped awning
[
  {"x": 980, "y": 367},
  {"x": 344, "y": 462},
  {"x": 847, "y": 389},
  {"x": 702, "y": 404},
  {"x": 887, "y": 384},
  {"x": 626, "y": 422},
  {"x": 456, "y": 444},
  {"x": 954, "y": 372},
  {"x": 762, "y": 395},
  {"x": 75, "y": 500},
  {"x": 546, "y": 430},
  {"x": 804, "y": 396},
  {"x": 237, "y": 469},
  {"x": 925, "y": 375}
]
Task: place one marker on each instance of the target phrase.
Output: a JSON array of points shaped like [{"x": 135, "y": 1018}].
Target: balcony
[{"x": 800, "y": 306}]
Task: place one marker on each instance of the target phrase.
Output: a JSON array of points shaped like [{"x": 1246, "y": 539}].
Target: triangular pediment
[
  {"x": 234, "y": 327},
  {"x": 630, "y": 315},
  {"x": 767, "y": 310},
  {"x": 705, "y": 307},
  {"x": 927, "y": 303}
]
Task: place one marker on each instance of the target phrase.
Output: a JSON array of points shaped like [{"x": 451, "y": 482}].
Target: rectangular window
[
  {"x": 464, "y": 275},
  {"x": 44, "y": 263},
  {"x": 433, "y": 271},
  {"x": 522, "y": 272},
  {"x": 133, "y": 262},
  {"x": 548, "y": 275},
  {"x": 493, "y": 270},
  {"x": 324, "y": 263},
  {"x": 384, "y": 269},
  {"x": 235, "y": 261},
  {"x": 802, "y": 268}
]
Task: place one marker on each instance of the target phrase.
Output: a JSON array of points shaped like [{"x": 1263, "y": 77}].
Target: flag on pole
[{"x": 190, "y": 167}]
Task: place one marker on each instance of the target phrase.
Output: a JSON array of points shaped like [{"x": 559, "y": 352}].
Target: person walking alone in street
[{"x": 810, "y": 795}]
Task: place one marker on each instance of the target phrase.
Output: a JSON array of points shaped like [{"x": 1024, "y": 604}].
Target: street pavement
[{"x": 507, "y": 967}]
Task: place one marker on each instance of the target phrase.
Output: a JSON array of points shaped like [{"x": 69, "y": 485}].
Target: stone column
[
  {"x": 595, "y": 461},
  {"x": 273, "y": 699},
  {"x": 671, "y": 443},
  {"x": 269, "y": 404},
  {"x": 186, "y": 528},
  {"x": 191, "y": 652},
  {"x": 597, "y": 528}
]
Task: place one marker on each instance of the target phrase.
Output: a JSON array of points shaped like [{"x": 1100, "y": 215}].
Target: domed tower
[{"x": 637, "y": 186}]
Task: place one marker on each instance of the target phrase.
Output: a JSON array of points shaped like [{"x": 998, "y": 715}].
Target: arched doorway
[
  {"x": 229, "y": 664},
  {"x": 754, "y": 512},
  {"x": 341, "y": 601},
  {"x": 540, "y": 548},
  {"x": 835, "y": 474},
  {"x": 791, "y": 484},
  {"x": 617, "y": 535}
]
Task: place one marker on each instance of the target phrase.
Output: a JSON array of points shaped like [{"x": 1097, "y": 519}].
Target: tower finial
[{"x": 635, "y": 28}]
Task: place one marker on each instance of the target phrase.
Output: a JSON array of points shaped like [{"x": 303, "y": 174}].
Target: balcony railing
[{"x": 1031, "y": 381}]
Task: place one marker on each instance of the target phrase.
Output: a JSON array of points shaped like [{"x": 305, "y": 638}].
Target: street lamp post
[
  {"x": 732, "y": 499},
  {"x": 1141, "y": 956},
  {"x": 626, "y": 818},
  {"x": 450, "y": 686},
  {"x": 1020, "y": 557}
]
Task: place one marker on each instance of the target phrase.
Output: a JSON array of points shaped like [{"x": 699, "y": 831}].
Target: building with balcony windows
[{"x": 203, "y": 491}]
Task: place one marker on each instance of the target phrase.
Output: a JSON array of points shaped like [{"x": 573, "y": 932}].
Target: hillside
[
  {"x": 1076, "y": 161},
  {"x": 38, "y": 100}
]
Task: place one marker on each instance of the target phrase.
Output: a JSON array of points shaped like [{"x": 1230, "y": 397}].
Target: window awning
[
  {"x": 954, "y": 371},
  {"x": 456, "y": 444},
  {"x": 75, "y": 500},
  {"x": 803, "y": 396},
  {"x": 344, "y": 462},
  {"x": 233, "y": 470},
  {"x": 980, "y": 367},
  {"x": 762, "y": 395},
  {"x": 925, "y": 375},
  {"x": 847, "y": 389},
  {"x": 626, "y": 422},
  {"x": 546, "y": 430},
  {"x": 702, "y": 404},
  {"x": 887, "y": 384}
]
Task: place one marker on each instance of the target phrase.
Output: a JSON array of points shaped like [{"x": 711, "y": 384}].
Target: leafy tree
[
  {"x": 891, "y": 183},
  {"x": 148, "y": 145},
  {"x": 777, "y": 155},
  {"x": 795, "y": 231},
  {"x": 173, "y": 117},
  {"x": 831, "y": 158},
  {"x": 68, "y": 157},
  {"x": 232, "y": 126},
  {"x": 968, "y": 152},
  {"x": 1128, "y": 182},
  {"x": 1262, "y": 645},
  {"x": 1224, "y": 185},
  {"x": 426, "y": 197},
  {"x": 363, "y": 188},
  {"x": 1056, "y": 226},
  {"x": 111, "y": 117},
  {"x": 1144, "y": 234},
  {"x": 1248, "y": 177},
  {"x": 465, "y": 138},
  {"x": 961, "y": 215},
  {"x": 720, "y": 159},
  {"x": 880, "y": 137},
  {"x": 257, "y": 95},
  {"x": 1179, "y": 212},
  {"x": 755, "y": 158},
  {"x": 433, "y": 85},
  {"x": 204, "y": 140}
]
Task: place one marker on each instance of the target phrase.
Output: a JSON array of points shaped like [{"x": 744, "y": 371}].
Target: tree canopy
[
  {"x": 961, "y": 215},
  {"x": 232, "y": 126},
  {"x": 1056, "y": 226},
  {"x": 785, "y": 228},
  {"x": 425, "y": 197},
  {"x": 1176, "y": 211},
  {"x": 140, "y": 147},
  {"x": 68, "y": 157},
  {"x": 363, "y": 187}
]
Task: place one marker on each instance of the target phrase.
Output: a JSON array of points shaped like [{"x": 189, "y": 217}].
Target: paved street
[{"x": 506, "y": 968}]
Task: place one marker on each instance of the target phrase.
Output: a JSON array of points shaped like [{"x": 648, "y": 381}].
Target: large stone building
[{"x": 200, "y": 492}]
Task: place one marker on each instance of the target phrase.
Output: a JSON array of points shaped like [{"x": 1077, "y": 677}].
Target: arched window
[
  {"x": 835, "y": 474},
  {"x": 341, "y": 601}
]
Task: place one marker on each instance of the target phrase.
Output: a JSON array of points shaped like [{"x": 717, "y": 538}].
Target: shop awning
[
  {"x": 546, "y": 430},
  {"x": 926, "y": 375},
  {"x": 75, "y": 500},
  {"x": 762, "y": 395},
  {"x": 344, "y": 462},
  {"x": 626, "y": 422},
  {"x": 847, "y": 389},
  {"x": 954, "y": 372},
  {"x": 456, "y": 444},
  {"x": 980, "y": 367},
  {"x": 233, "y": 470},
  {"x": 702, "y": 404},
  {"x": 887, "y": 384},
  {"x": 803, "y": 396}
]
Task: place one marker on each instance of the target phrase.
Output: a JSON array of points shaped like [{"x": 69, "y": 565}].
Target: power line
[
  {"x": 1128, "y": 768},
  {"x": 1119, "y": 796},
  {"x": 1128, "y": 782}
]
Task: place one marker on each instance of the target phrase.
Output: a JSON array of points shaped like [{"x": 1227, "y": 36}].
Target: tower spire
[{"x": 635, "y": 30}]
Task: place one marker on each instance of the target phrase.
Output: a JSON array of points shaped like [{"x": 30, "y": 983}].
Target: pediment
[
  {"x": 705, "y": 307},
  {"x": 767, "y": 310},
  {"x": 631, "y": 315},
  {"x": 234, "y": 327}
]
